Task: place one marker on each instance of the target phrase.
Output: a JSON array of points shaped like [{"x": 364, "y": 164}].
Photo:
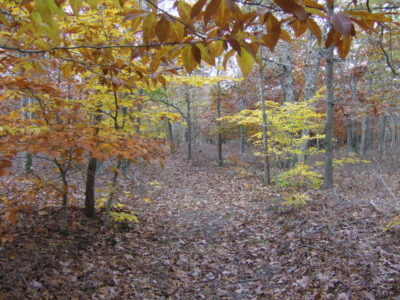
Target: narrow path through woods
[{"x": 204, "y": 211}]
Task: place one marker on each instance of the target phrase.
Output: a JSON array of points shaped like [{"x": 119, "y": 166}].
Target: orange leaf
[
  {"x": 344, "y": 47},
  {"x": 311, "y": 3},
  {"x": 298, "y": 27},
  {"x": 314, "y": 28},
  {"x": 274, "y": 31},
  {"x": 332, "y": 38}
]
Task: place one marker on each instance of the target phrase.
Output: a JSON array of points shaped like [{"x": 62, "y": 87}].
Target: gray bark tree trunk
[
  {"x": 242, "y": 128},
  {"x": 27, "y": 115},
  {"x": 112, "y": 194},
  {"x": 188, "y": 127},
  {"x": 219, "y": 137},
  {"x": 328, "y": 168},
  {"x": 170, "y": 135},
  {"x": 311, "y": 70},
  {"x": 395, "y": 126},
  {"x": 382, "y": 136},
  {"x": 363, "y": 141},
  {"x": 266, "y": 169},
  {"x": 288, "y": 72}
]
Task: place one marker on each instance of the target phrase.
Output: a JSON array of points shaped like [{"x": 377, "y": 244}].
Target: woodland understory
[
  {"x": 208, "y": 149},
  {"x": 208, "y": 232}
]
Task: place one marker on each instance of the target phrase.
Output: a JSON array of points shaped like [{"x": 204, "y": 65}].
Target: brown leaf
[
  {"x": 197, "y": 7},
  {"x": 196, "y": 53},
  {"x": 342, "y": 24},
  {"x": 314, "y": 28},
  {"x": 274, "y": 31},
  {"x": 235, "y": 45},
  {"x": 211, "y": 9},
  {"x": 298, "y": 27},
  {"x": 163, "y": 29},
  {"x": 344, "y": 46},
  {"x": 291, "y": 6},
  {"x": 332, "y": 38},
  {"x": 311, "y": 3}
]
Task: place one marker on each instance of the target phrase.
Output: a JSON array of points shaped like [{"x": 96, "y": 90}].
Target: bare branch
[{"x": 169, "y": 104}]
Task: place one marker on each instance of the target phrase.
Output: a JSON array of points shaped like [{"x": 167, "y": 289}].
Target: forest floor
[{"x": 213, "y": 233}]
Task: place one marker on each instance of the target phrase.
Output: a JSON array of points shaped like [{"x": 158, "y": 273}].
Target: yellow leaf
[
  {"x": 216, "y": 48},
  {"x": 184, "y": 10},
  {"x": 205, "y": 54},
  {"x": 43, "y": 9},
  {"x": 377, "y": 17},
  {"x": 54, "y": 8},
  {"x": 42, "y": 45},
  {"x": 24, "y": 28},
  {"x": 188, "y": 60},
  {"x": 93, "y": 3},
  {"x": 148, "y": 27},
  {"x": 3, "y": 20},
  {"x": 147, "y": 200},
  {"x": 285, "y": 36},
  {"x": 245, "y": 61},
  {"x": 75, "y": 5},
  {"x": 315, "y": 11}
]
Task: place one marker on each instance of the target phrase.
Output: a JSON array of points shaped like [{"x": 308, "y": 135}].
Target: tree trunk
[
  {"x": 28, "y": 161},
  {"x": 266, "y": 171},
  {"x": 353, "y": 146},
  {"x": 328, "y": 174},
  {"x": 242, "y": 128},
  {"x": 64, "y": 222},
  {"x": 382, "y": 136},
  {"x": 90, "y": 210},
  {"x": 363, "y": 142},
  {"x": 394, "y": 130},
  {"x": 219, "y": 137},
  {"x": 170, "y": 135},
  {"x": 351, "y": 127},
  {"x": 188, "y": 127},
  {"x": 288, "y": 72},
  {"x": 112, "y": 194},
  {"x": 310, "y": 73},
  {"x": 90, "y": 188}
]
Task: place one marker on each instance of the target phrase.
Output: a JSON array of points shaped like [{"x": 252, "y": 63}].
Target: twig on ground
[
  {"x": 385, "y": 184},
  {"x": 24, "y": 280}
]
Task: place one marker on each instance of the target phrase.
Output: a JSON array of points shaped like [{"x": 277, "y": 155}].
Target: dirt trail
[{"x": 208, "y": 233}]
